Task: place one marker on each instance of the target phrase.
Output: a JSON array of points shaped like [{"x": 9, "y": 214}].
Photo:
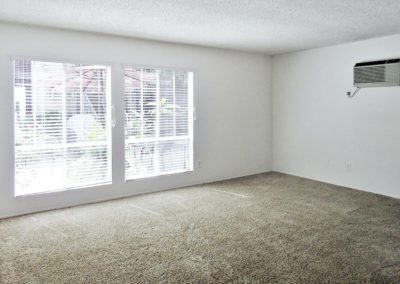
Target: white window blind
[
  {"x": 158, "y": 122},
  {"x": 62, "y": 126}
]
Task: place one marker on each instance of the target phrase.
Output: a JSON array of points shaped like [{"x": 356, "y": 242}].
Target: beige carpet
[{"x": 264, "y": 228}]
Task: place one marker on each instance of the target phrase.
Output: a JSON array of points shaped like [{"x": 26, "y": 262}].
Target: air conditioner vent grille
[{"x": 377, "y": 73}]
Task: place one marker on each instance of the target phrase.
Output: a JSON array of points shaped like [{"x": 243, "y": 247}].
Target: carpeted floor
[{"x": 259, "y": 229}]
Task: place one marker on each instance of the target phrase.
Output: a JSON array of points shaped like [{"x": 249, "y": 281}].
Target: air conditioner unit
[{"x": 377, "y": 73}]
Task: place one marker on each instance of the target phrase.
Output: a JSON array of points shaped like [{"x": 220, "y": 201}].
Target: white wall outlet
[
  {"x": 348, "y": 166},
  {"x": 199, "y": 164}
]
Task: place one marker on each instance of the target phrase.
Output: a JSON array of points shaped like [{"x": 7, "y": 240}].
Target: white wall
[
  {"x": 318, "y": 129},
  {"x": 233, "y": 131}
]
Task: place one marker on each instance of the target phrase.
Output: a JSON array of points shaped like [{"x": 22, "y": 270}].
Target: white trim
[
  {"x": 191, "y": 118},
  {"x": 150, "y": 66},
  {"x": 43, "y": 193},
  {"x": 62, "y": 60},
  {"x": 157, "y": 174},
  {"x": 157, "y": 126},
  {"x": 156, "y": 139}
]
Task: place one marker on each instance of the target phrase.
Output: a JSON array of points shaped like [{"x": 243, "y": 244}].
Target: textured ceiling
[{"x": 265, "y": 26}]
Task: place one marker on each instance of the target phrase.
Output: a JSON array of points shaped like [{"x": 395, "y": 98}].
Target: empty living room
[{"x": 199, "y": 141}]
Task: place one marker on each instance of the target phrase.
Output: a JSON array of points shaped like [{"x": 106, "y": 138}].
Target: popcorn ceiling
[{"x": 263, "y": 26}]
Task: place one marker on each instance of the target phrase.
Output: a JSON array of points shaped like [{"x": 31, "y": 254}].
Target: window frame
[
  {"x": 110, "y": 123},
  {"x": 117, "y": 127},
  {"x": 191, "y": 119}
]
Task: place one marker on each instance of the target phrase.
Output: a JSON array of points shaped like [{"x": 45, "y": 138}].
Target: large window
[
  {"x": 62, "y": 126},
  {"x": 158, "y": 122}
]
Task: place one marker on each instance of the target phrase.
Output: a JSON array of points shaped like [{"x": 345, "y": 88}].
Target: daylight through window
[
  {"x": 62, "y": 126},
  {"x": 158, "y": 122}
]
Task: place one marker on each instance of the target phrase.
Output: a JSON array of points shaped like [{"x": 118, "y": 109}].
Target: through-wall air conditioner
[{"x": 377, "y": 73}]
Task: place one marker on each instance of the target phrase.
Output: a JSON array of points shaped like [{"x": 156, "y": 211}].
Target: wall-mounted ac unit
[{"x": 377, "y": 73}]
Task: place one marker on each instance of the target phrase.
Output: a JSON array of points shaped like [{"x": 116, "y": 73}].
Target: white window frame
[
  {"x": 191, "y": 121},
  {"x": 110, "y": 121}
]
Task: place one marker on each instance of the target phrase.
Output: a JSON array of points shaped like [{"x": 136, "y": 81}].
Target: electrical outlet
[
  {"x": 348, "y": 166},
  {"x": 199, "y": 164}
]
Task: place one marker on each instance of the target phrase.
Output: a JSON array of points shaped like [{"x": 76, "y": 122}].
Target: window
[
  {"x": 62, "y": 126},
  {"x": 158, "y": 122}
]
